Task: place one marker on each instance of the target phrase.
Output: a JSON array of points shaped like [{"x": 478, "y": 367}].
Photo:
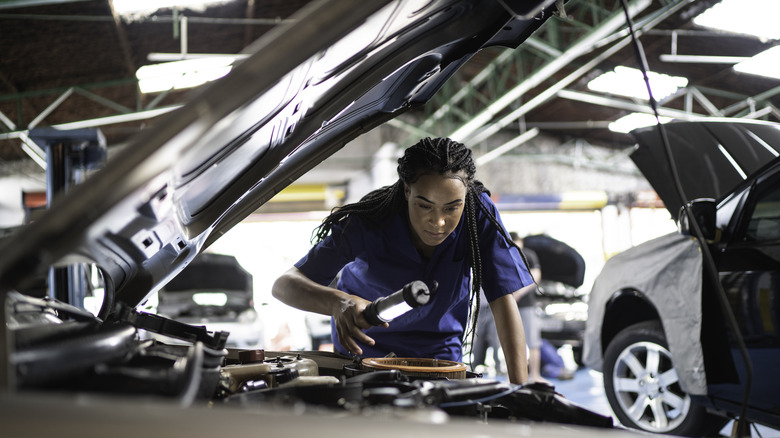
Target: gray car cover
[{"x": 667, "y": 272}]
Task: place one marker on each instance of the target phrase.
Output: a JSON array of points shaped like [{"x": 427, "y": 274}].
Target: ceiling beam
[
  {"x": 627, "y": 105},
  {"x": 410, "y": 128},
  {"x": 585, "y": 45},
  {"x": 506, "y": 147},
  {"x": 553, "y": 91},
  {"x": 746, "y": 103},
  {"x": 48, "y": 110},
  {"x": 101, "y": 121},
  {"x": 124, "y": 44},
  {"x": 248, "y": 31},
  {"x": 486, "y": 73},
  {"x": 7, "y": 122},
  {"x": 12, "y": 87},
  {"x": 12, "y": 4}
]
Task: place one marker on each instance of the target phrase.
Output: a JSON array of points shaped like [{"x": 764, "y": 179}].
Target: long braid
[
  {"x": 375, "y": 207},
  {"x": 475, "y": 262},
  {"x": 503, "y": 232}
]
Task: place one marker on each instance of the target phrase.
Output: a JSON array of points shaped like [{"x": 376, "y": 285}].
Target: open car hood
[
  {"x": 712, "y": 157},
  {"x": 339, "y": 69},
  {"x": 561, "y": 262}
]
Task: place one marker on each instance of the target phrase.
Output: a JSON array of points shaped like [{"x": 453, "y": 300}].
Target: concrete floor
[{"x": 586, "y": 389}]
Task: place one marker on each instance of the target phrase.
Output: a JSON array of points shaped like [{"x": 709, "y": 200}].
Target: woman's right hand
[
  {"x": 295, "y": 289},
  {"x": 350, "y": 323}
]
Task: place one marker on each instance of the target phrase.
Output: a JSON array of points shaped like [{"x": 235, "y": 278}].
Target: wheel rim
[{"x": 647, "y": 388}]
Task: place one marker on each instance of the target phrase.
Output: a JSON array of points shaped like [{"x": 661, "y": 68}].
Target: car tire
[{"x": 643, "y": 388}]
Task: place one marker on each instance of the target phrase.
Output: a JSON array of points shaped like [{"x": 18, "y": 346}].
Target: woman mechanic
[{"x": 435, "y": 224}]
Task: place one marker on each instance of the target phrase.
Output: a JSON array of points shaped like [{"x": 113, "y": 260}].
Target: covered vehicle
[
  {"x": 658, "y": 325},
  {"x": 332, "y": 72}
]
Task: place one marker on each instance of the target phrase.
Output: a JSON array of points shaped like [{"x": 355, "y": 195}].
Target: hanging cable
[{"x": 743, "y": 427}]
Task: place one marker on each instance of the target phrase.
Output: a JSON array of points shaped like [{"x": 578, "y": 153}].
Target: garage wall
[
  {"x": 545, "y": 165},
  {"x": 11, "y": 188}
]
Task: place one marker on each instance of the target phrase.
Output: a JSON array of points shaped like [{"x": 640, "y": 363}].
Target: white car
[{"x": 668, "y": 339}]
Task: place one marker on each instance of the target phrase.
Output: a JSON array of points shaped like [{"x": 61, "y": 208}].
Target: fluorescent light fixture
[
  {"x": 751, "y": 17},
  {"x": 763, "y": 64},
  {"x": 176, "y": 75},
  {"x": 168, "y": 57},
  {"x": 130, "y": 7},
  {"x": 629, "y": 82},
  {"x": 632, "y": 121}
]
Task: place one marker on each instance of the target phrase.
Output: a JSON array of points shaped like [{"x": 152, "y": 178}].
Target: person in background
[
  {"x": 436, "y": 223},
  {"x": 526, "y": 304},
  {"x": 553, "y": 366},
  {"x": 486, "y": 338}
]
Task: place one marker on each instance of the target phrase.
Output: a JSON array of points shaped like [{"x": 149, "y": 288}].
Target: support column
[{"x": 69, "y": 157}]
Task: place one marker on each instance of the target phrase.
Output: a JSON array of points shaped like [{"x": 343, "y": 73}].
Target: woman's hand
[
  {"x": 350, "y": 323},
  {"x": 295, "y": 289}
]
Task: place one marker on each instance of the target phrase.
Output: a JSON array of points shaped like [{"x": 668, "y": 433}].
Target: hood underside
[
  {"x": 711, "y": 157},
  {"x": 337, "y": 70}
]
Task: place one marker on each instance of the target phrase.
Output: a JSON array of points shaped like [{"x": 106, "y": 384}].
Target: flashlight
[{"x": 386, "y": 309}]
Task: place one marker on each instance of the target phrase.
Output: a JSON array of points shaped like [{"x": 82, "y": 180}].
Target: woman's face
[{"x": 436, "y": 204}]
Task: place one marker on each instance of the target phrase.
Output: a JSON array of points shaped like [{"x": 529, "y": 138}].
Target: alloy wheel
[{"x": 647, "y": 388}]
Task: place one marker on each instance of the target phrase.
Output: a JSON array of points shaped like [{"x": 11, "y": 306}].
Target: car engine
[{"x": 61, "y": 349}]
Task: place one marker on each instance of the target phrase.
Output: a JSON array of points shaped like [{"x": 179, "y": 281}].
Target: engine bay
[{"x": 56, "y": 348}]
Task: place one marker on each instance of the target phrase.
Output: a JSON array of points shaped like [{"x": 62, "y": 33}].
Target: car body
[
  {"x": 215, "y": 291},
  {"x": 562, "y": 306},
  {"x": 332, "y": 72},
  {"x": 658, "y": 324},
  {"x": 563, "y": 312}
]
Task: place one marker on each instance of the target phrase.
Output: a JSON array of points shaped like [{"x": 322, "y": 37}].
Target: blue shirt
[{"x": 376, "y": 261}]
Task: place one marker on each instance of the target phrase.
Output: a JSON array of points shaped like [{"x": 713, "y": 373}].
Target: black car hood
[
  {"x": 561, "y": 262},
  {"x": 337, "y": 70},
  {"x": 711, "y": 157}
]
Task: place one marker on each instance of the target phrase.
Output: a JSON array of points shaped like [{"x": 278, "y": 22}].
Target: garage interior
[
  {"x": 548, "y": 143},
  {"x": 73, "y": 64}
]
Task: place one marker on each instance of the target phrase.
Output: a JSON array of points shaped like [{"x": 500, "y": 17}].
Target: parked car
[
  {"x": 332, "y": 72},
  {"x": 215, "y": 291},
  {"x": 562, "y": 306},
  {"x": 658, "y": 324}
]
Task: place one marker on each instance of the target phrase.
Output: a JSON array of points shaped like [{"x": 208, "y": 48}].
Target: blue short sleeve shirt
[{"x": 376, "y": 261}]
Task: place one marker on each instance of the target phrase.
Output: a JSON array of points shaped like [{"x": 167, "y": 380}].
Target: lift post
[{"x": 70, "y": 156}]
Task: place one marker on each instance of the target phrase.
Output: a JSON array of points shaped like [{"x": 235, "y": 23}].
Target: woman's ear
[{"x": 407, "y": 191}]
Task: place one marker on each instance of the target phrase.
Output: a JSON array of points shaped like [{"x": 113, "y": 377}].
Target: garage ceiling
[{"x": 72, "y": 64}]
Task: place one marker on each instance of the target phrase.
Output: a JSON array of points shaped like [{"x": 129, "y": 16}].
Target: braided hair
[{"x": 443, "y": 156}]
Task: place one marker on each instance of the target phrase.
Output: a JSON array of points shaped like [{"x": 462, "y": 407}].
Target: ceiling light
[
  {"x": 763, "y": 64},
  {"x": 629, "y": 82},
  {"x": 130, "y": 7},
  {"x": 632, "y": 121},
  {"x": 752, "y": 17},
  {"x": 176, "y": 75}
]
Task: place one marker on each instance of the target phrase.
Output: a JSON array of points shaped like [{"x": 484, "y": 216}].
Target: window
[{"x": 764, "y": 223}]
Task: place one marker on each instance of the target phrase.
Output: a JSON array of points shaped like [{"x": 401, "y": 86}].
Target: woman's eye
[
  {"x": 425, "y": 207},
  {"x": 453, "y": 209}
]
